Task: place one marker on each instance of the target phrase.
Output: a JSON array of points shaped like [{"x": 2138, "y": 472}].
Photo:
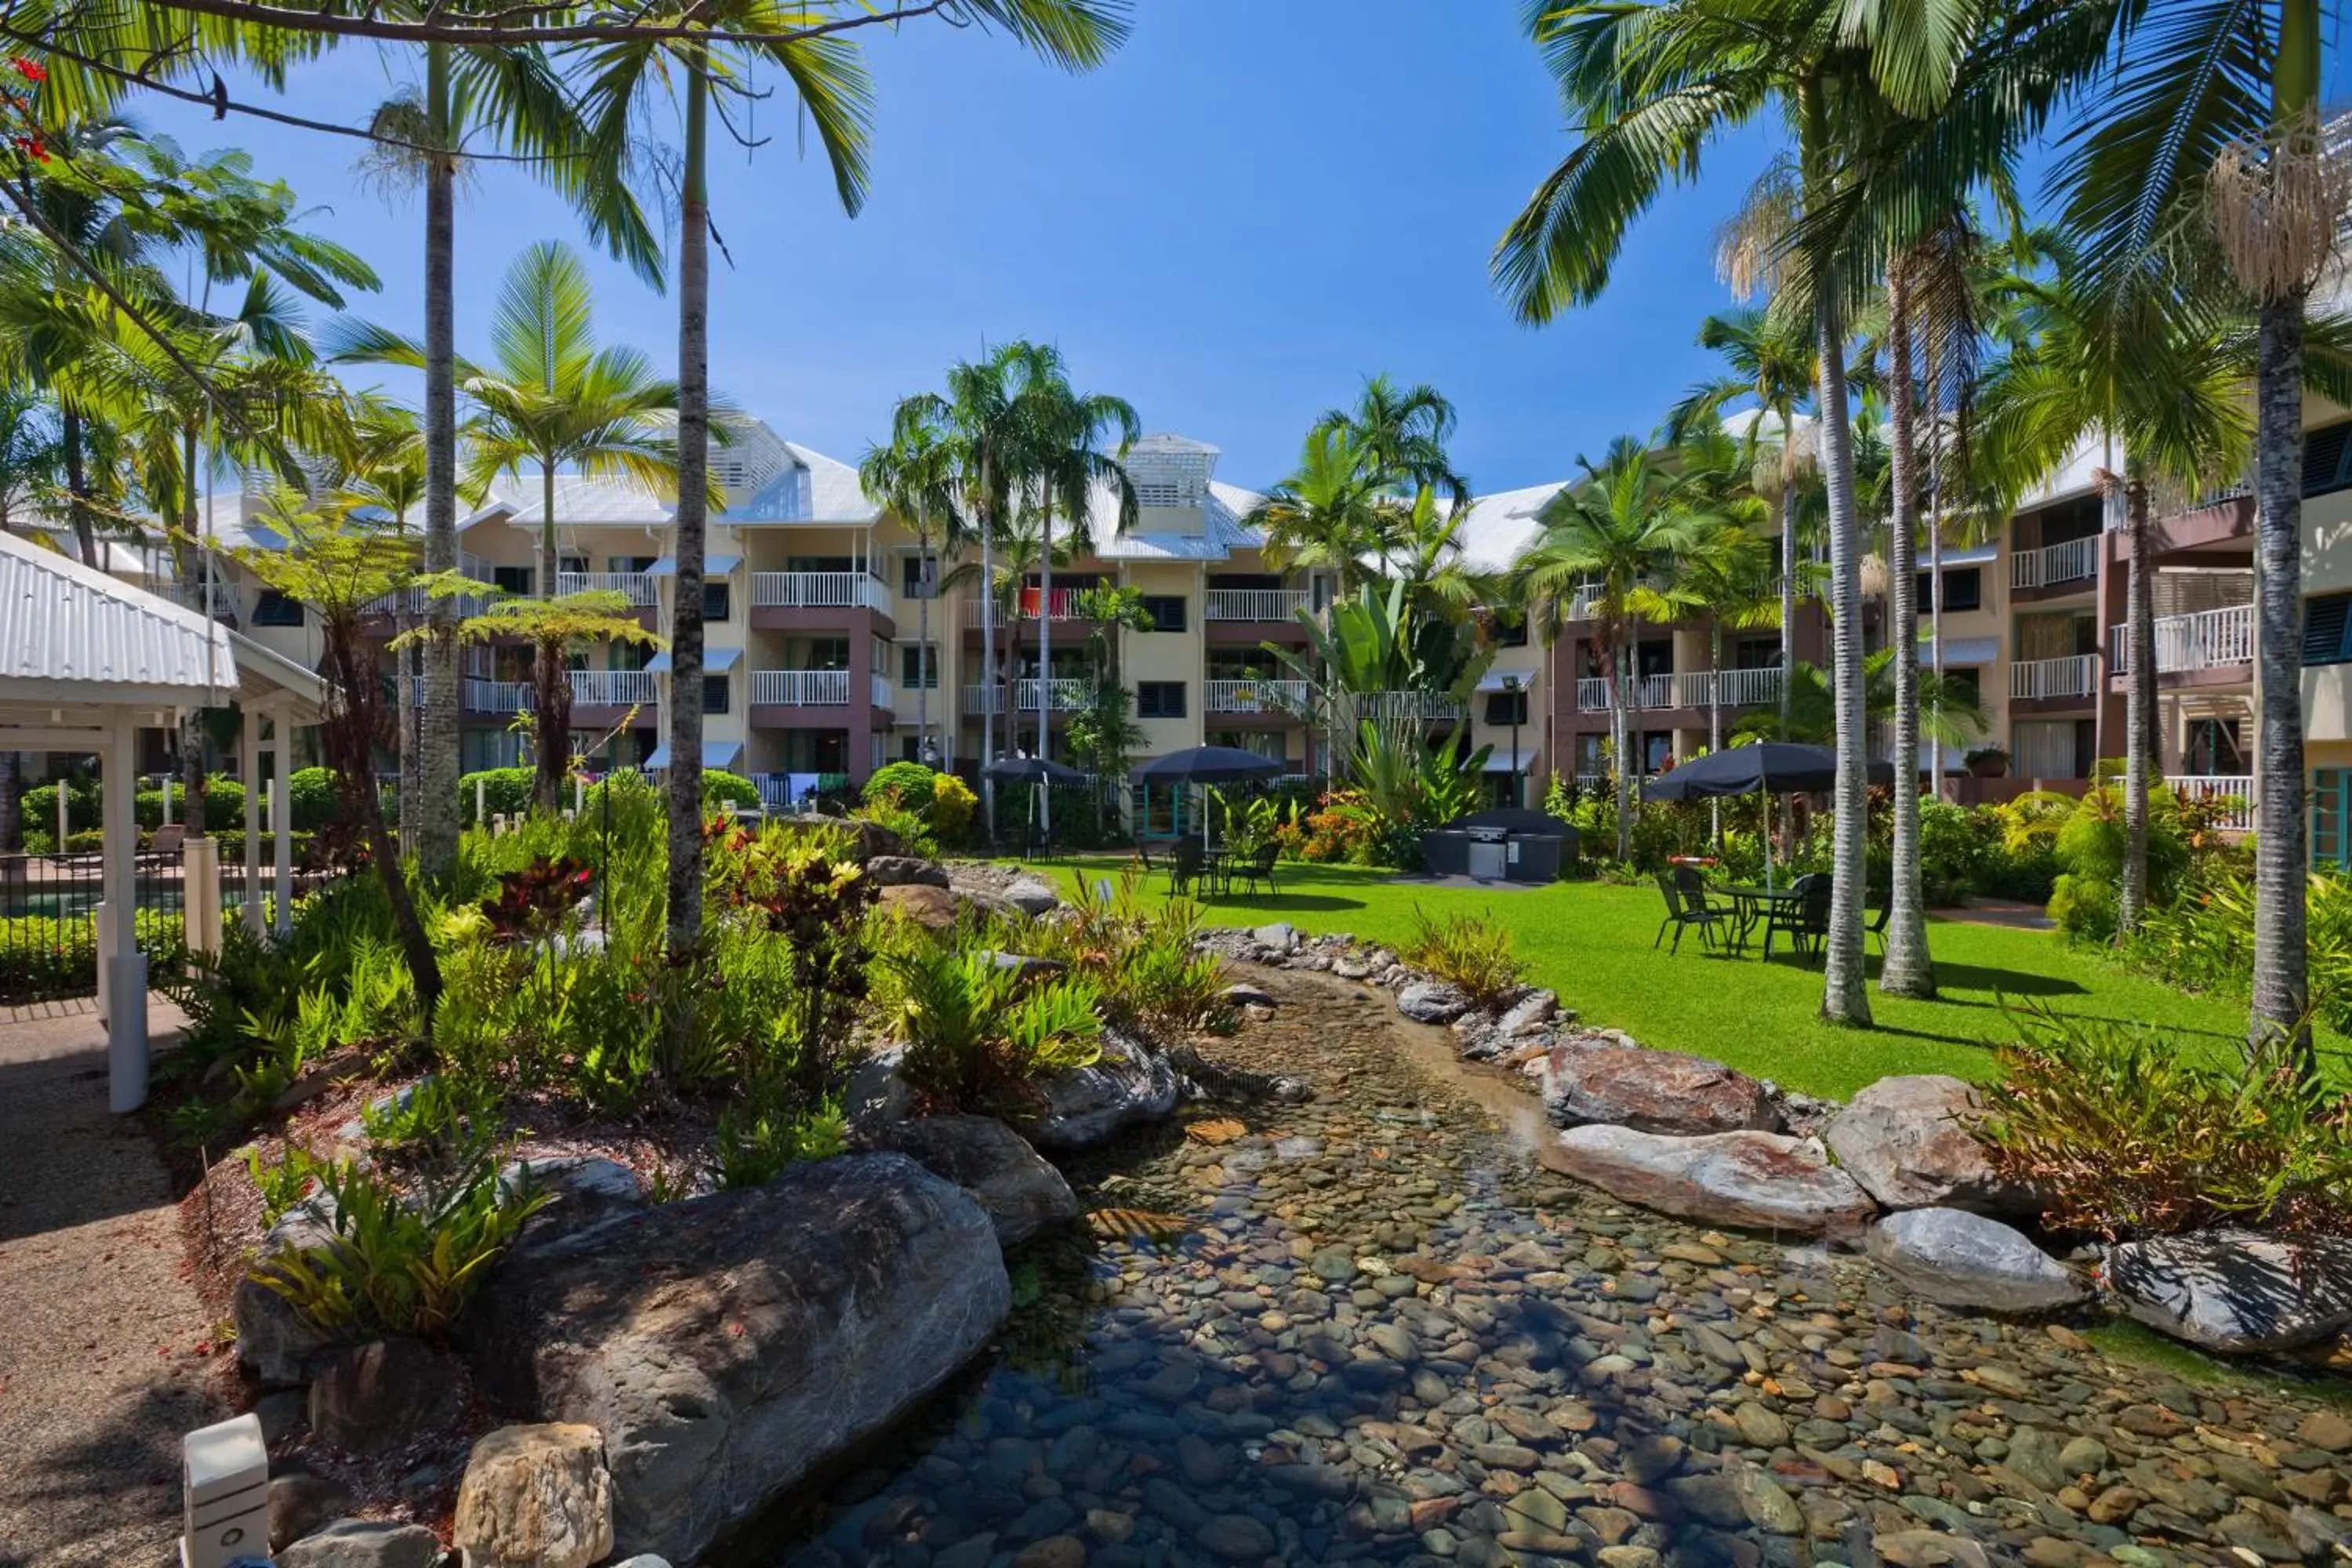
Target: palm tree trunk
[
  {"x": 1045, "y": 660},
  {"x": 1907, "y": 970},
  {"x": 1844, "y": 997},
  {"x": 1936, "y": 561},
  {"x": 76, "y": 485},
  {"x": 554, "y": 725},
  {"x": 1714, "y": 717},
  {"x": 1621, "y": 739},
  {"x": 926, "y": 661},
  {"x": 2139, "y": 706},
  {"x": 1787, "y": 508},
  {"x": 192, "y": 721},
  {"x": 685, "y": 716},
  {"x": 436, "y": 723},
  {"x": 350, "y": 740},
  {"x": 987, "y": 666},
  {"x": 2282, "y": 991}
]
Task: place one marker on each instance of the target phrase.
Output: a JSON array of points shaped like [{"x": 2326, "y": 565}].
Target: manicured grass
[{"x": 1591, "y": 943}]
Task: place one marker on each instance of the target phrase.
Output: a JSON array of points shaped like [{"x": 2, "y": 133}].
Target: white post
[
  {"x": 224, "y": 1488},
  {"x": 200, "y": 895},
  {"x": 167, "y": 798},
  {"x": 481, "y": 797},
  {"x": 126, "y": 1033},
  {"x": 253, "y": 821},
  {"x": 578, "y": 795},
  {"x": 102, "y": 921},
  {"x": 64, "y": 813},
  {"x": 281, "y": 819}
]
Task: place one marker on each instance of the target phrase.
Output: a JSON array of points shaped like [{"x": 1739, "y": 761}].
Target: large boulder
[
  {"x": 1758, "y": 1180},
  {"x": 906, "y": 870},
  {"x": 1023, "y": 1194},
  {"x": 727, "y": 1345},
  {"x": 535, "y": 1496},
  {"x": 383, "y": 1395},
  {"x": 867, "y": 838},
  {"x": 878, "y": 1092},
  {"x": 1652, "y": 1092},
  {"x": 2234, "y": 1291},
  {"x": 275, "y": 1341},
  {"x": 1962, "y": 1259},
  {"x": 1909, "y": 1142},
  {"x": 364, "y": 1544},
  {"x": 1031, "y": 895},
  {"x": 1128, "y": 1085},
  {"x": 1431, "y": 1002},
  {"x": 932, "y": 908}
]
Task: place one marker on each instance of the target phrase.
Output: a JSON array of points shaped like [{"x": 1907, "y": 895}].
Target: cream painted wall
[{"x": 1169, "y": 655}]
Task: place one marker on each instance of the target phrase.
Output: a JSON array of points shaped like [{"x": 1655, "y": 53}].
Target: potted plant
[{"x": 1987, "y": 762}]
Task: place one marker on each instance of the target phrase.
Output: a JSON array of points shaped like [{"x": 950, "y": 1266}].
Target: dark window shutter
[
  {"x": 2323, "y": 460},
  {"x": 2323, "y": 629}
]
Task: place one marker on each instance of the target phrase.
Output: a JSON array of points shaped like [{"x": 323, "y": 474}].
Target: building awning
[
  {"x": 1976, "y": 555},
  {"x": 712, "y": 565},
  {"x": 1962, "y": 650},
  {"x": 715, "y": 754},
  {"x": 715, "y": 660},
  {"x": 1495, "y": 680},
  {"x": 1499, "y": 762}
]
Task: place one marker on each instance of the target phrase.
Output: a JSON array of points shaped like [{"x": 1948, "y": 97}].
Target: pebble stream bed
[{"x": 1387, "y": 1335}]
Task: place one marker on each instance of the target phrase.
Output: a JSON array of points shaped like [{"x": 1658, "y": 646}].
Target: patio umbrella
[
  {"x": 1207, "y": 765},
  {"x": 1768, "y": 767},
  {"x": 1038, "y": 770}
]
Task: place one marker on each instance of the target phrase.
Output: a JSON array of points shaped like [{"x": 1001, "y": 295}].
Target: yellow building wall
[{"x": 1169, "y": 655}]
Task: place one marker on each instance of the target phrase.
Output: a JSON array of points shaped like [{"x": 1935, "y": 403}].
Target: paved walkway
[
  {"x": 2001, "y": 912},
  {"x": 97, "y": 1381}
]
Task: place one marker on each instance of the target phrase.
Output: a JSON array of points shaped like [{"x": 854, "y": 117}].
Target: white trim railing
[
  {"x": 800, "y": 688},
  {"x": 1426, "y": 707},
  {"x": 2076, "y": 675},
  {"x": 1748, "y": 688},
  {"x": 2073, "y": 560},
  {"x": 2234, "y": 793},
  {"x": 1066, "y": 694},
  {"x": 819, "y": 591},
  {"x": 2206, "y": 640},
  {"x": 614, "y": 688},
  {"x": 1063, "y": 604},
  {"x": 1692, "y": 688},
  {"x": 1252, "y": 604},
  {"x": 638, "y": 587},
  {"x": 1268, "y": 695},
  {"x": 482, "y": 696},
  {"x": 1582, "y": 601}
]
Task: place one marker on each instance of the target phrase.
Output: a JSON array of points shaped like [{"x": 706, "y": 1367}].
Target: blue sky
[{"x": 1255, "y": 204}]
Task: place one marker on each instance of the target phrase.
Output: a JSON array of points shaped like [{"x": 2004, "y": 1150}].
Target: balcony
[
  {"x": 1061, "y": 604},
  {"x": 819, "y": 591},
  {"x": 614, "y": 688},
  {"x": 417, "y": 602},
  {"x": 637, "y": 587},
  {"x": 1252, "y": 604},
  {"x": 1257, "y": 696},
  {"x": 2039, "y": 678},
  {"x": 2232, "y": 795},
  {"x": 800, "y": 688},
  {"x": 1692, "y": 688},
  {"x": 1422, "y": 707},
  {"x": 2075, "y": 561},
  {"x": 479, "y": 696},
  {"x": 1581, "y": 603},
  {"x": 1066, "y": 696},
  {"x": 2208, "y": 639}
]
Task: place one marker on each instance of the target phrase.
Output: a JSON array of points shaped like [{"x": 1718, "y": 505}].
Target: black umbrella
[
  {"x": 1207, "y": 765},
  {"x": 1768, "y": 767},
  {"x": 1033, "y": 770}
]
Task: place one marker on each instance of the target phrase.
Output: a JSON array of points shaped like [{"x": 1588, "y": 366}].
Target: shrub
[
  {"x": 2204, "y": 939},
  {"x": 954, "y": 806},
  {"x": 720, "y": 787},
  {"x": 911, "y": 828},
  {"x": 756, "y": 1145},
  {"x": 977, "y": 1033},
  {"x": 44, "y": 956},
  {"x": 312, "y": 803},
  {"x": 909, "y": 784},
  {"x": 1141, "y": 955},
  {"x": 435, "y": 1112},
  {"x": 2125, "y": 1131},
  {"x": 505, "y": 790},
  {"x": 285, "y": 1183},
  {"x": 1470, "y": 954}
]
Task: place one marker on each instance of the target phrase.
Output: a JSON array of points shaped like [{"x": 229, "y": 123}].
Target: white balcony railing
[
  {"x": 1747, "y": 688},
  {"x": 1581, "y": 603},
  {"x": 1066, "y": 695},
  {"x": 2234, "y": 793},
  {"x": 614, "y": 688},
  {"x": 2075, "y": 561},
  {"x": 2208, "y": 639},
  {"x": 801, "y": 688},
  {"x": 819, "y": 591},
  {"x": 1270, "y": 696},
  {"x": 2075, "y": 676},
  {"x": 1426, "y": 707},
  {"x": 1692, "y": 688},
  {"x": 638, "y": 587},
  {"x": 1061, "y": 604},
  {"x": 1252, "y": 604},
  {"x": 497, "y": 696}
]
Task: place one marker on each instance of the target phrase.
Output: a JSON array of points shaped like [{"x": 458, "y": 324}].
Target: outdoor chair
[
  {"x": 1876, "y": 925},
  {"x": 1681, "y": 915},
  {"x": 1187, "y": 866},
  {"x": 1692, "y": 885},
  {"x": 1255, "y": 867},
  {"x": 166, "y": 845},
  {"x": 1804, "y": 920}
]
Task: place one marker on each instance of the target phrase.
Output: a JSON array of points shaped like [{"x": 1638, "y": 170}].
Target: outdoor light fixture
[{"x": 224, "y": 1483}]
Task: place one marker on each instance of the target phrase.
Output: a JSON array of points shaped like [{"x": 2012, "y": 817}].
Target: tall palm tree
[
  {"x": 914, "y": 477},
  {"x": 384, "y": 476},
  {"x": 550, "y": 398},
  {"x": 1402, "y": 433},
  {"x": 1328, "y": 513},
  {"x": 1620, "y": 528}
]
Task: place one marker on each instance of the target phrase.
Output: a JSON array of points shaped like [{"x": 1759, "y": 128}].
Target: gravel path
[{"x": 98, "y": 1326}]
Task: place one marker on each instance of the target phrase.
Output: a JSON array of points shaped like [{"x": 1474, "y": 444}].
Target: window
[
  {"x": 2328, "y": 629},
  {"x": 2331, "y": 812},
  {"x": 1963, "y": 589},
  {"x": 714, "y": 693},
  {"x": 1511, "y": 631},
  {"x": 1507, "y": 707},
  {"x": 2324, "y": 452},
  {"x": 576, "y": 565},
  {"x": 515, "y": 579},
  {"x": 274, "y": 609},
  {"x": 1166, "y": 610},
  {"x": 718, "y": 600},
  {"x": 1965, "y": 683},
  {"x": 1160, "y": 699},
  {"x": 919, "y": 668},
  {"x": 915, "y": 576}
]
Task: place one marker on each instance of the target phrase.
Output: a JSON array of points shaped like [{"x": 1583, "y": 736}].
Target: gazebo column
[
  {"x": 126, "y": 1029},
  {"x": 252, "y": 819},
  {"x": 281, "y": 814}
]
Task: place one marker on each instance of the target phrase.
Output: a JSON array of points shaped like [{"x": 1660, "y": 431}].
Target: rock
[
  {"x": 1128, "y": 1084},
  {"x": 2329, "y": 1430},
  {"x": 1768, "y": 1506},
  {"x": 876, "y": 1094},
  {"x": 274, "y": 1340},
  {"x": 1281, "y": 936},
  {"x": 2235, "y": 1290},
  {"x": 1963, "y": 1259},
  {"x": 727, "y": 1345},
  {"x": 377, "y": 1396},
  {"x": 1031, "y": 895},
  {"x": 1754, "y": 1179},
  {"x": 1431, "y": 1002},
  {"x": 1652, "y": 1092},
  {"x": 364, "y": 1544},
  {"x": 1054, "y": 1552},
  {"x": 1235, "y": 1536},
  {"x": 1908, "y": 1142},
  {"x": 931, "y": 906},
  {"x": 586, "y": 1188},
  {"x": 535, "y": 1496},
  {"x": 1027, "y": 966},
  {"x": 866, "y": 839},
  {"x": 906, "y": 872},
  {"x": 299, "y": 1503},
  {"x": 1243, "y": 995},
  {"x": 1929, "y": 1549},
  {"x": 1023, "y": 1194},
  {"x": 279, "y": 1411},
  {"x": 642, "y": 1560},
  {"x": 1528, "y": 1013}
]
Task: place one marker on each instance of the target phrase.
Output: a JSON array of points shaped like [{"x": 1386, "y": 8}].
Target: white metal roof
[{"x": 1501, "y": 526}]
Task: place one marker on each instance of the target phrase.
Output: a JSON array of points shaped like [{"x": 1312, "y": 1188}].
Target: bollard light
[{"x": 224, "y": 1483}]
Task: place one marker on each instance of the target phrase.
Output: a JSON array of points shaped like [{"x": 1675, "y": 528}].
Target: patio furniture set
[{"x": 1727, "y": 916}]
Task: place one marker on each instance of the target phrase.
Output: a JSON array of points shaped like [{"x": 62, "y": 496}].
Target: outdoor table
[{"x": 1749, "y": 907}]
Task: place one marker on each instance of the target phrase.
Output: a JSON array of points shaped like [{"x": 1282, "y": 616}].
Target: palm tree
[
  {"x": 549, "y": 397},
  {"x": 1402, "y": 434},
  {"x": 1622, "y": 529},
  {"x": 1327, "y": 514},
  {"x": 386, "y": 476},
  {"x": 914, "y": 477}
]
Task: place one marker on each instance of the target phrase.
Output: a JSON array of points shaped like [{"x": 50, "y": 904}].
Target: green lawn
[{"x": 1591, "y": 944}]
